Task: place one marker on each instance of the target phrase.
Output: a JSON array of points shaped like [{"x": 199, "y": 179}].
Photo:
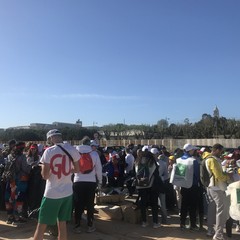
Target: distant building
[
  {"x": 41, "y": 126},
  {"x": 47, "y": 126},
  {"x": 70, "y": 125}
]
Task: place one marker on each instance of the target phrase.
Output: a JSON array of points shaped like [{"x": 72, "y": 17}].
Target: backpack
[
  {"x": 204, "y": 174},
  {"x": 85, "y": 163},
  {"x": 233, "y": 190},
  {"x": 182, "y": 173},
  {"x": 9, "y": 173}
]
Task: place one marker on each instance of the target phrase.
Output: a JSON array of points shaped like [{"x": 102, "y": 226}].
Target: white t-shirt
[
  {"x": 59, "y": 184},
  {"x": 129, "y": 159}
]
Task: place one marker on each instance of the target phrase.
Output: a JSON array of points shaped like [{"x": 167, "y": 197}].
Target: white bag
[
  {"x": 182, "y": 173},
  {"x": 234, "y": 191}
]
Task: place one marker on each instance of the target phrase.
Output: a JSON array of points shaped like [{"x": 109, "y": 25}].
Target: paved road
[{"x": 109, "y": 230}]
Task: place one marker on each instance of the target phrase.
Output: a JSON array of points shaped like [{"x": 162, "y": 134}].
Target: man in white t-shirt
[{"x": 58, "y": 163}]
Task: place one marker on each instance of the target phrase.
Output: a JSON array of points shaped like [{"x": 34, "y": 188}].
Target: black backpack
[{"x": 204, "y": 174}]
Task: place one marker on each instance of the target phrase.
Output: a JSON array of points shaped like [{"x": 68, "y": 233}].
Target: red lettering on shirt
[{"x": 60, "y": 166}]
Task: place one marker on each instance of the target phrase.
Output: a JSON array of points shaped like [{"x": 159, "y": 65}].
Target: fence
[{"x": 171, "y": 144}]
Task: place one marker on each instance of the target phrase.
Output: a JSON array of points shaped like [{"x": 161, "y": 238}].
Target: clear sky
[{"x": 118, "y": 61}]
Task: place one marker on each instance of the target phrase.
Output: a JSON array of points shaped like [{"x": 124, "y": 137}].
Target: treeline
[
  {"x": 208, "y": 127},
  {"x": 40, "y": 134}
]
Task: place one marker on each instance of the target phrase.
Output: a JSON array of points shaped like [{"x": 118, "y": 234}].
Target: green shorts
[{"x": 53, "y": 210}]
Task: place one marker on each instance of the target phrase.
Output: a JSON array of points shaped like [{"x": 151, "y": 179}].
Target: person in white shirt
[
  {"x": 129, "y": 160},
  {"x": 84, "y": 187},
  {"x": 57, "y": 169},
  {"x": 163, "y": 173}
]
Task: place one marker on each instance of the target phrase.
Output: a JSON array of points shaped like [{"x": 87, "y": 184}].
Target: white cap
[
  {"x": 202, "y": 149},
  {"x": 154, "y": 151},
  {"x": 188, "y": 147},
  {"x": 94, "y": 143},
  {"x": 53, "y": 132},
  {"x": 146, "y": 147}
]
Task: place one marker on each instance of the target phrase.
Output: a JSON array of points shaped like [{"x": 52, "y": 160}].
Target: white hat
[
  {"x": 146, "y": 147},
  {"x": 53, "y": 132},
  {"x": 93, "y": 143},
  {"x": 202, "y": 149},
  {"x": 188, "y": 147},
  {"x": 154, "y": 151}
]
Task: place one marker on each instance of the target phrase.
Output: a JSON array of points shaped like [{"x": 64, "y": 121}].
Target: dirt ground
[{"x": 108, "y": 229}]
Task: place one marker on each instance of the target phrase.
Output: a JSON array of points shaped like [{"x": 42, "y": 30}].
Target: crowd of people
[{"x": 50, "y": 180}]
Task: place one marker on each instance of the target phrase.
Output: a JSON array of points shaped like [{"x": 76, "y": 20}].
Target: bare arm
[
  {"x": 46, "y": 170},
  {"x": 76, "y": 167}
]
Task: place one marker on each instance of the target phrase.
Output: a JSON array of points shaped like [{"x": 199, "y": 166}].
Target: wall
[{"x": 172, "y": 144}]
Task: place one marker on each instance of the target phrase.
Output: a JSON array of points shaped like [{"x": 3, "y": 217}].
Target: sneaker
[
  {"x": 144, "y": 224},
  {"x": 194, "y": 228},
  {"x": 238, "y": 228},
  {"x": 77, "y": 228},
  {"x": 19, "y": 221},
  {"x": 210, "y": 232},
  {"x": 156, "y": 225},
  {"x": 52, "y": 230},
  {"x": 10, "y": 220},
  {"x": 220, "y": 237},
  {"x": 91, "y": 229}
]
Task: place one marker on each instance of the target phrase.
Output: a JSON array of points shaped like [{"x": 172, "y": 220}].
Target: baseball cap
[
  {"x": 188, "y": 147},
  {"x": 154, "y": 151},
  {"x": 146, "y": 147},
  {"x": 53, "y": 132},
  {"x": 93, "y": 143}
]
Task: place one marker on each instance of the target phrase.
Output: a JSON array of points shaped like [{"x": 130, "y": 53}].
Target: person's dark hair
[
  {"x": 128, "y": 150},
  {"x": 32, "y": 153},
  {"x": 12, "y": 142},
  {"x": 217, "y": 146},
  {"x": 86, "y": 141},
  {"x": 18, "y": 149}
]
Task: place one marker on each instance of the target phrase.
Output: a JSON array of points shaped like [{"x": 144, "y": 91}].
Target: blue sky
[{"x": 118, "y": 61}]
